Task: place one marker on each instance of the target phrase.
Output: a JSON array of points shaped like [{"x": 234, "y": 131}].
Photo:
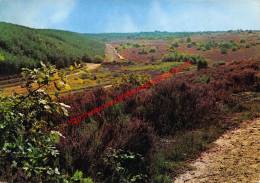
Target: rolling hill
[{"x": 25, "y": 47}]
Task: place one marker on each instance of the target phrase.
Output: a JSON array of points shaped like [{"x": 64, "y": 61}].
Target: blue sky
[{"x": 94, "y": 16}]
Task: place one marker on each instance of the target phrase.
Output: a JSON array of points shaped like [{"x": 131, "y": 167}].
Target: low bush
[
  {"x": 98, "y": 59},
  {"x": 178, "y": 57},
  {"x": 182, "y": 108},
  {"x": 224, "y": 51},
  {"x": 202, "y": 64},
  {"x": 143, "y": 52},
  {"x": 152, "y": 50},
  {"x": 175, "y": 45},
  {"x": 242, "y": 41}
]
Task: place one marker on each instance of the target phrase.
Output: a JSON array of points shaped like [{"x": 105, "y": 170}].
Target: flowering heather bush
[{"x": 177, "y": 104}]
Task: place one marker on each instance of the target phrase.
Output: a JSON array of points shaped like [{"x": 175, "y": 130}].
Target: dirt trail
[
  {"x": 112, "y": 54},
  {"x": 235, "y": 158}
]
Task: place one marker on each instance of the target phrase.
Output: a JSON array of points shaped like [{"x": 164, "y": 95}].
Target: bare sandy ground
[
  {"x": 91, "y": 66},
  {"x": 235, "y": 158},
  {"x": 112, "y": 54}
]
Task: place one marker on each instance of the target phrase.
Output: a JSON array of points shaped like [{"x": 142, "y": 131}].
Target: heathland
[{"x": 153, "y": 136}]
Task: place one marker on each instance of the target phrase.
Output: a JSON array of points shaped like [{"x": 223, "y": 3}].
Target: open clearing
[{"x": 234, "y": 158}]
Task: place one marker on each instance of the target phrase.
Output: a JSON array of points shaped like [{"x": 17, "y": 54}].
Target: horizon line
[{"x": 155, "y": 31}]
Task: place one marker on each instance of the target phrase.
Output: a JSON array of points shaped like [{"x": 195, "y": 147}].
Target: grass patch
[
  {"x": 172, "y": 160},
  {"x": 161, "y": 66},
  {"x": 203, "y": 79}
]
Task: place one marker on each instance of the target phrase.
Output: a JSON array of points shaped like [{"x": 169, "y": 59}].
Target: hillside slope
[{"x": 25, "y": 47}]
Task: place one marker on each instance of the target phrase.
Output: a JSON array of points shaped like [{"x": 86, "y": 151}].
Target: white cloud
[
  {"x": 36, "y": 13},
  {"x": 196, "y": 15},
  {"x": 137, "y": 15},
  {"x": 122, "y": 23}
]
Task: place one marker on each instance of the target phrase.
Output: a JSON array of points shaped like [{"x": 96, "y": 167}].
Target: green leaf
[{"x": 78, "y": 175}]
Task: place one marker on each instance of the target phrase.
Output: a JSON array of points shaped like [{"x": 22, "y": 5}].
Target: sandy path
[
  {"x": 112, "y": 54},
  {"x": 91, "y": 66},
  {"x": 234, "y": 159}
]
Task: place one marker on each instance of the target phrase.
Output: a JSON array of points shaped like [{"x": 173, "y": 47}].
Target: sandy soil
[
  {"x": 235, "y": 158},
  {"x": 111, "y": 54}
]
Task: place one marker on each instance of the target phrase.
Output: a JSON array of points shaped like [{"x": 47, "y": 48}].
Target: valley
[{"x": 179, "y": 129}]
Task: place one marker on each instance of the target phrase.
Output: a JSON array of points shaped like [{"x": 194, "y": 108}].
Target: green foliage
[
  {"x": 203, "y": 79},
  {"x": 224, "y": 50},
  {"x": 143, "y": 52},
  {"x": 98, "y": 59},
  {"x": 202, "y": 64},
  {"x": 189, "y": 45},
  {"x": 27, "y": 139},
  {"x": 210, "y": 44},
  {"x": 79, "y": 177},
  {"x": 175, "y": 45},
  {"x": 2, "y": 58},
  {"x": 136, "y": 46},
  {"x": 228, "y": 45},
  {"x": 152, "y": 50},
  {"x": 135, "y": 79},
  {"x": 234, "y": 49},
  {"x": 25, "y": 47},
  {"x": 188, "y": 40},
  {"x": 145, "y": 35},
  {"x": 162, "y": 179},
  {"x": 223, "y": 46},
  {"x": 125, "y": 167},
  {"x": 179, "y": 57},
  {"x": 242, "y": 41}
]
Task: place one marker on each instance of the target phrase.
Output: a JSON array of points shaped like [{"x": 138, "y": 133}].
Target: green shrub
[
  {"x": 79, "y": 177},
  {"x": 124, "y": 166},
  {"x": 242, "y": 41},
  {"x": 27, "y": 136},
  {"x": 152, "y": 50},
  {"x": 223, "y": 50},
  {"x": 189, "y": 45},
  {"x": 175, "y": 45},
  {"x": 188, "y": 40},
  {"x": 203, "y": 79},
  {"x": 136, "y": 46},
  {"x": 234, "y": 49},
  {"x": 98, "y": 59},
  {"x": 2, "y": 58},
  {"x": 134, "y": 79},
  {"x": 202, "y": 64},
  {"x": 143, "y": 52},
  {"x": 162, "y": 179},
  {"x": 178, "y": 57}
]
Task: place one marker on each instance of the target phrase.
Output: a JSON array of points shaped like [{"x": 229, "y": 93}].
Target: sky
[{"x": 96, "y": 16}]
